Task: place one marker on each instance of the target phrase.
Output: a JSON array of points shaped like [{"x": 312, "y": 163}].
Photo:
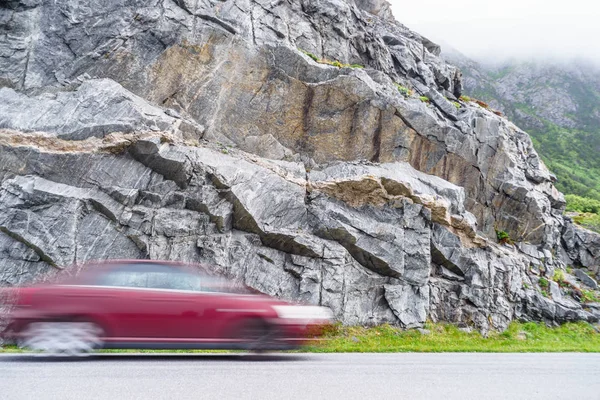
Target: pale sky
[{"x": 484, "y": 29}]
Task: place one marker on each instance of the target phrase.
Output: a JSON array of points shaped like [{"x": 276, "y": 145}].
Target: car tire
[
  {"x": 257, "y": 335},
  {"x": 62, "y": 338}
]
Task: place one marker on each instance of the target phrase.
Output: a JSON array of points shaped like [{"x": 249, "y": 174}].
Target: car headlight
[{"x": 303, "y": 312}]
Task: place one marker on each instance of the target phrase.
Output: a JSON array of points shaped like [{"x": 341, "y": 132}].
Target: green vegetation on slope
[
  {"x": 589, "y": 221},
  {"x": 582, "y": 204},
  {"x": 572, "y": 154}
]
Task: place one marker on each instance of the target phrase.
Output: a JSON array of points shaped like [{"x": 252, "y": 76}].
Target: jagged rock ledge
[{"x": 376, "y": 243}]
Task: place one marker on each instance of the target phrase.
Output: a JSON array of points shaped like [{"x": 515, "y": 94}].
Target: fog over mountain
[{"x": 549, "y": 30}]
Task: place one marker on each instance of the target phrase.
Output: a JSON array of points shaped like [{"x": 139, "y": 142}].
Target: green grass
[
  {"x": 10, "y": 349},
  {"x": 518, "y": 338},
  {"x": 311, "y": 55},
  {"x": 589, "y": 221},
  {"x": 589, "y": 296}
]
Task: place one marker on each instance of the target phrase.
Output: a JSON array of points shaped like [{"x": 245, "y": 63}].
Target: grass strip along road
[{"x": 518, "y": 338}]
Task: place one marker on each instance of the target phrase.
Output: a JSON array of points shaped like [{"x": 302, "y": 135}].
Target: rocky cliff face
[
  {"x": 245, "y": 134},
  {"x": 558, "y": 103}
]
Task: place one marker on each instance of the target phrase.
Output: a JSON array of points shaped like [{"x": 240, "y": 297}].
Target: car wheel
[
  {"x": 257, "y": 334},
  {"x": 73, "y": 338}
]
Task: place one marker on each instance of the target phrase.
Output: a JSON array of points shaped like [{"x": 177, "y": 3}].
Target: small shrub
[
  {"x": 544, "y": 283},
  {"x": 559, "y": 276},
  {"x": 498, "y": 113},
  {"x": 569, "y": 269},
  {"x": 503, "y": 237},
  {"x": 337, "y": 64},
  {"x": 564, "y": 284},
  {"x": 526, "y": 285},
  {"x": 356, "y": 66},
  {"x": 465, "y": 98},
  {"x": 424, "y": 99},
  {"x": 545, "y": 293},
  {"x": 406, "y": 92},
  {"x": 457, "y": 104},
  {"x": 589, "y": 296}
]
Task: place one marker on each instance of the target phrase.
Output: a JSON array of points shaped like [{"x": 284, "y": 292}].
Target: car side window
[
  {"x": 155, "y": 276},
  {"x": 174, "y": 281},
  {"x": 124, "y": 278}
]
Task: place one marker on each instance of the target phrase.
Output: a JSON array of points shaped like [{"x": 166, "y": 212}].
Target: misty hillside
[{"x": 557, "y": 104}]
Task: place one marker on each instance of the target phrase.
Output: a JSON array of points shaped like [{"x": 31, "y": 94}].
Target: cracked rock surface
[{"x": 206, "y": 131}]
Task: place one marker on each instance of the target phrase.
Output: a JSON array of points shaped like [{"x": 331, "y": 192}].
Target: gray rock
[
  {"x": 95, "y": 109},
  {"x": 447, "y": 274},
  {"x": 572, "y": 281},
  {"x": 203, "y": 132},
  {"x": 408, "y": 303},
  {"x": 157, "y": 56},
  {"x": 198, "y": 204},
  {"x": 586, "y": 279},
  {"x": 266, "y": 146},
  {"x": 555, "y": 291},
  {"x": 580, "y": 246}
]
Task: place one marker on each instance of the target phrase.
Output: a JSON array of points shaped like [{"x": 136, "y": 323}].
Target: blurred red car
[{"x": 155, "y": 305}]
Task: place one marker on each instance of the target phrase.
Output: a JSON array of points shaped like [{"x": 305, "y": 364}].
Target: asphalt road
[{"x": 304, "y": 376}]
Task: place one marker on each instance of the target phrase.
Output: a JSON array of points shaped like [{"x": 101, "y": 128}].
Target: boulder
[{"x": 586, "y": 279}]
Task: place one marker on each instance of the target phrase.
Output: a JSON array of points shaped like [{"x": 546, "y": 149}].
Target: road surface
[{"x": 304, "y": 376}]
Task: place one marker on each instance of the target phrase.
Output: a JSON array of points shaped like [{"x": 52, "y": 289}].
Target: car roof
[
  {"x": 102, "y": 266},
  {"x": 132, "y": 261},
  {"x": 115, "y": 262}
]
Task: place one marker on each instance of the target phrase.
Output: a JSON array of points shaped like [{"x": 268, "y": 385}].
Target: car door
[
  {"x": 175, "y": 305},
  {"x": 118, "y": 295}
]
